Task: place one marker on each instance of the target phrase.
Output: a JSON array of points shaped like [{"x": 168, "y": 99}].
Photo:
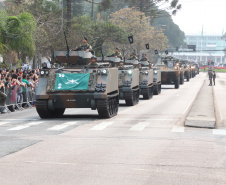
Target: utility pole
[{"x": 92, "y": 13}]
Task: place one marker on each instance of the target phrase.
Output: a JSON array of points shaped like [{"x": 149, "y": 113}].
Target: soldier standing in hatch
[
  {"x": 133, "y": 57},
  {"x": 93, "y": 62},
  {"x": 214, "y": 77},
  {"x": 144, "y": 58},
  {"x": 117, "y": 54},
  {"x": 84, "y": 47},
  {"x": 210, "y": 77}
]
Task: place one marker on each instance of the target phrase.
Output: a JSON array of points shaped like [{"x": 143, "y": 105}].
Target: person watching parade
[{"x": 84, "y": 47}]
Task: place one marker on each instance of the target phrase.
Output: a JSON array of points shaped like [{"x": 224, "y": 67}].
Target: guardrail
[{"x": 11, "y": 100}]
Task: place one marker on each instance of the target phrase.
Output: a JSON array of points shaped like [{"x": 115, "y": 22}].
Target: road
[{"x": 145, "y": 144}]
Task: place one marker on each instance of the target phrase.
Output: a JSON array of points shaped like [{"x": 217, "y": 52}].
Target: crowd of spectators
[{"x": 17, "y": 87}]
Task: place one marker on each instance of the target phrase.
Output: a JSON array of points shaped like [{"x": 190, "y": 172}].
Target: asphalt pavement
[{"x": 145, "y": 144}]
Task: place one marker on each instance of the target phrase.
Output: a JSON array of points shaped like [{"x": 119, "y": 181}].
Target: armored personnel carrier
[
  {"x": 192, "y": 69},
  {"x": 186, "y": 69},
  {"x": 146, "y": 80},
  {"x": 170, "y": 71},
  {"x": 182, "y": 72},
  {"x": 77, "y": 85},
  {"x": 128, "y": 81}
]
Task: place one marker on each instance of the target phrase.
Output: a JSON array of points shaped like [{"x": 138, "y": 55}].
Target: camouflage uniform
[
  {"x": 133, "y": 58},
  {"x": 144, "y": 59},
  {"x": 116, "y": 55},
  {"x": 83, "y": 48}
]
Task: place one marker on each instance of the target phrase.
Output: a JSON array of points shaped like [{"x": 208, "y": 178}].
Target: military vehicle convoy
[
  {"x": 170, "y": 71},
  {"x": 146, "y": 80},
  {"x": 128, "y": 81},
  {"x": 77, "y": 85}
]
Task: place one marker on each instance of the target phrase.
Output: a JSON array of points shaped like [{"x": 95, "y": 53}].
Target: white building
[{"x": 208, "y": 47}]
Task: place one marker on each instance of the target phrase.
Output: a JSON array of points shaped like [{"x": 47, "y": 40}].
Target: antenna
[{"x": 66, "y": 44}]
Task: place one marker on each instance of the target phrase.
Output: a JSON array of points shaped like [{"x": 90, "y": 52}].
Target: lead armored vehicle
[
  {"x": 128, "y": 81},
  {"x": 146, "y": 80},
  {"x": 170, "y": 71},
  {"x": 77, "y": 84}
]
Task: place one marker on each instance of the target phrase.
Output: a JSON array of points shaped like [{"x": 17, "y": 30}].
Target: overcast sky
[{"x": 195, "y": 13}]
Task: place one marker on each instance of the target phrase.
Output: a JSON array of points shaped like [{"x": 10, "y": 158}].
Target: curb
[
  {"x": 182, "y": 119},
  {"x": 218, "y": 117}
]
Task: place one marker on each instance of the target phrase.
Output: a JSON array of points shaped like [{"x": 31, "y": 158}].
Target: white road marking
[
  {"x": 101, "y": 126},
  {"x": 62, "y": 126},
  {"x": 219, "y": 132},
  {"x": 177, "y": 129},
  {"x": 21, "y": 127},
  {"x": 140, "y": 126},
  {"x": 20, "y": 119},
  {"x": 3, "y": 123}
]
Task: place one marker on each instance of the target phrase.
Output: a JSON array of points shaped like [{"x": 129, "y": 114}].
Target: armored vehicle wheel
[
  {"x": 108, "y": 108},
  {"x": 188, "y": 78},
  {"x": 177, "y": 84},
  {"x": 157, "y": 89},
  {"x": 182, "y": 80},
  {"x": 160, "y": 88},
  {"x": 132, "y": 98},
  {"x": 148, "y": 93},
  {"x": 44, "y": 112}
]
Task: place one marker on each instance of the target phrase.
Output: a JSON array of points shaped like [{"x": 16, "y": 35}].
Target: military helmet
[{"x": 93, "y": 57}]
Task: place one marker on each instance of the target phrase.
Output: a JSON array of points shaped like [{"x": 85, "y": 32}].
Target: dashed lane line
[
  {"x": 3, "y": 123},
  {"x": 139, "y": 126},
  {"x": 21, "y": 127},
  {"x": 177, "y": 129},
  {"x": 101, "y": 126},
  {"x": 62, "y": 126},
  {"x": 219, "y": 132}
]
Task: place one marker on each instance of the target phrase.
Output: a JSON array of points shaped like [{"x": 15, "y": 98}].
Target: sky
[{"x": 211, "y": 14}]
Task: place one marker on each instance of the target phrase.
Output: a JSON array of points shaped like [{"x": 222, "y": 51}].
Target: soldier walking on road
[
  {"x": 210, "y": 77},
  {"x": 214, "y": 77}
]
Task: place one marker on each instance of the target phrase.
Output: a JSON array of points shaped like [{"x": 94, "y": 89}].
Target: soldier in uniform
[
  {"x": 214, "y": 77},
  {"x": 144, "y": 58},
  {"x": 210, "y": 77},
  {"x": 84, "y": 47},
  {"x": 93, "y": 62},
  {"x": 117, "y": 54},
  {"x": 133, "y": 57}
]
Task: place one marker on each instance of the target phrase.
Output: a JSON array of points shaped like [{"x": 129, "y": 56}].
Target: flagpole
[{"x": 201, "y": 43}]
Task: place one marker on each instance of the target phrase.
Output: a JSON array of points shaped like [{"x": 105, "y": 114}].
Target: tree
[
  {"x": 136, "y": 23},
  {"x": 17, "y": 35},
  {"x": 174, "y": 34}
]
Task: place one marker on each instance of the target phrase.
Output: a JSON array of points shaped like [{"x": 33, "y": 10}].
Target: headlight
[
  {"x": 42, "y": 72},
  {"x": 175, "y": 68},
  {"x": 98, "y": 71},
  {"x": 155, "y": 72},
  {"x": 104, "y": 71},
  {"x": 130, "y": 72},
  {"x": 146, "y": 72},
  {"x": 47, "y": 72}
]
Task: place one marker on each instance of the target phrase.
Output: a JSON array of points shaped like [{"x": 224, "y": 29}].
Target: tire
[
  {"x": 132, "y": 98},
  {"x": 188, "y": 78},
  {"x": 157, "y": 89},
  {"x": 182, "y": 80},
  {"x": 108, "y": 108},
  {"x": 177, "y": 84},
  {"x": 148, "y": 93},
  {"x": 44, "y": 112}
]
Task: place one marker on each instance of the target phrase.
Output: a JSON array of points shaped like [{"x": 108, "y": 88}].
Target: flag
[{"x": 72, "y": 81}]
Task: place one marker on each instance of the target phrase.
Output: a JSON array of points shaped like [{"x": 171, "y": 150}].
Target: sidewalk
[{"x": 202, "y": 113}]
